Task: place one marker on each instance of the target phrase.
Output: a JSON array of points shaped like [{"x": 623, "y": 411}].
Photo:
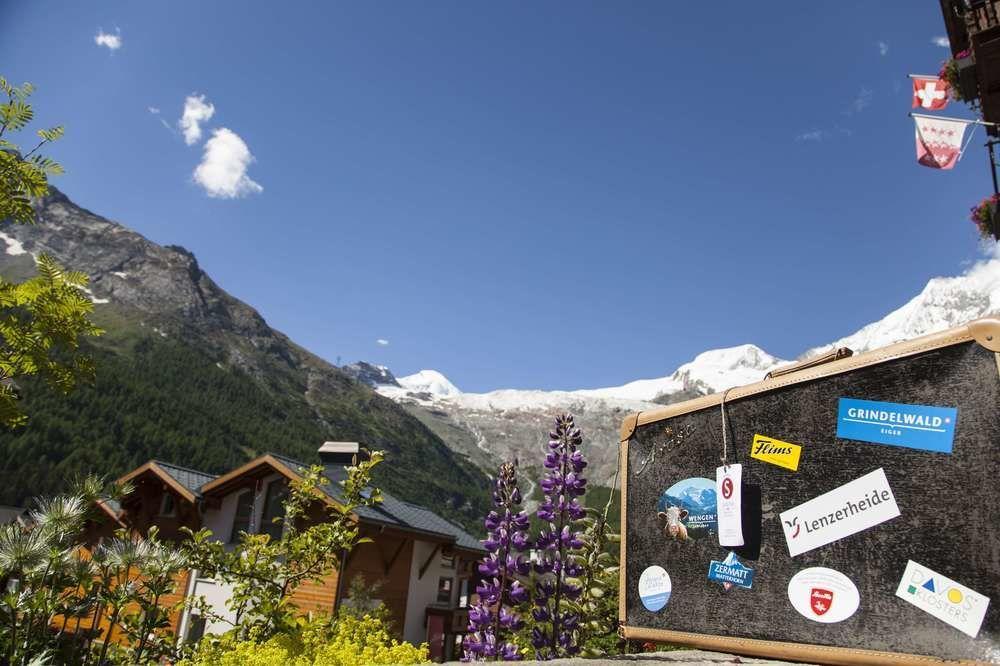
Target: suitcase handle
[{"x": 835, "y": 355}]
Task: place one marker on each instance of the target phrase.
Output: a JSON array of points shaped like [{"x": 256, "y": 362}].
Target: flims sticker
[{"x": 688, "y": 509}]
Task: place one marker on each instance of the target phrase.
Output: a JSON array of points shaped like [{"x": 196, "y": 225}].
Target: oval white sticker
[
  {"x": 823, "y": 595},
  {"x": 654, "y": 588}
]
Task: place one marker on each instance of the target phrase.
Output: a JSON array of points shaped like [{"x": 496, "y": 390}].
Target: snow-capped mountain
[{"x": 510, "y": 422}]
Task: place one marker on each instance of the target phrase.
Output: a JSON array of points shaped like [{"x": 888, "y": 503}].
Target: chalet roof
[
  {"x": 191, "y": 479},
  {"x": 393, "y": 512}
]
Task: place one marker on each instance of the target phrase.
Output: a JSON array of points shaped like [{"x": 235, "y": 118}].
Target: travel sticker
[
  {"x": 654, "y": 588},
  {"x": 911, "y": 426},
  {"x": 687, "y": 509},
  {"x": 943, "y": 598},
  {"x": 851, "y": 508},
  {"x": 776, "y": 452},
  {"x": 730, "y": 571},
  {"x": 823, "y": 595}
]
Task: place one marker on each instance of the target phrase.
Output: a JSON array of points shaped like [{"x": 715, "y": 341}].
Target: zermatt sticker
[
  {"x": 943, "y": 598},
  {"x": 855, "y": 506},
  {"x": 823, "y": 595},
  {"x": 729, "y": 572},
  {"x": 688, "y": 509},
  {"x": 654, "y": 588},
  {"x": 776, "y": 452}
]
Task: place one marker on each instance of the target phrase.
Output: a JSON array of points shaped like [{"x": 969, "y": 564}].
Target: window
[
  {"x": 447, "y": 558},
  {"x": 463, "y": 593},
  {"x": 167, "y": 506},
  {"x": 444, "y": 590},
  {"x": 277, "y": 491},
  {"x": 196, "y": 629},
  {"x": 244, "y": 511}
]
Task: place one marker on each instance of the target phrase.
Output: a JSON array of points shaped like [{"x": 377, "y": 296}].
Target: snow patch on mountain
[
  {"x": 944, "y": 303},
  {"x": 14, "y": 246},
  {"x": 714, "y": 370},
  {"x": 431, "y": 382}
]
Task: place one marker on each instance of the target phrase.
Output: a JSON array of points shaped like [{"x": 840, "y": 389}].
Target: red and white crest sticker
[
  {"x": 820, "y": 600},
  {"x": 823, "y": 595}
]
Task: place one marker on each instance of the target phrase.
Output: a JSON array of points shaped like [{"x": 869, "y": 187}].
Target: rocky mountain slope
[
  {"x": 506, "y": 423},
  {"x": 204, "y": 357}
]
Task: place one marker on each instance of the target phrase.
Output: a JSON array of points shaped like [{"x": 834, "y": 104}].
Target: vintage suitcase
[{"x": 898, "y": 559}]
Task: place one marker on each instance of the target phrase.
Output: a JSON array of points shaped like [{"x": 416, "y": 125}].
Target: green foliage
[
  {"x": 42, "y": 319},
  {"x": 47, "y": 577},
  {"x": 348, "y": 640},
  {"x": 41, "y": 323},
  {"x": 22, "y": 178},
  {"x": 169, "y": 399},
  {"x": 264, "y": 573}
]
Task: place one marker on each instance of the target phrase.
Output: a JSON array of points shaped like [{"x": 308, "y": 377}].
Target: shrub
[{"x": 347, "y": 640}]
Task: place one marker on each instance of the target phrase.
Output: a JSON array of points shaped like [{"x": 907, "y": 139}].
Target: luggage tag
[
  {"x": 739, "y": 503},
  {"x": 729, "y": 494}
]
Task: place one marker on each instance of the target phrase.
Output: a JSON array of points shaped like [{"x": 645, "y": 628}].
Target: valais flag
[
  {"x": 939, "y": 141},
  {"x": 930, "y": 92}
]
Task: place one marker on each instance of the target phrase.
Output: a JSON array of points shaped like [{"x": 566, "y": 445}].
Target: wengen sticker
[
  {"x": 943, "y": 598},
  {"x": 851, "y": 508}
]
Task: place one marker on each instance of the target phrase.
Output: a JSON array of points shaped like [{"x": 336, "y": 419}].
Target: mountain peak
[{"x": 429, "y": 381}]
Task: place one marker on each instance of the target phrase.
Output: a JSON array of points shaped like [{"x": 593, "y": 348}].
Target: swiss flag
[{"x": 930, "y": 92}]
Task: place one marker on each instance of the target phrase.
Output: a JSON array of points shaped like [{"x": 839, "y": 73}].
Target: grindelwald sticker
[
  {"x": 688, "y": 509},
  {"x": 851, "y": 508},
  {"x": 823, "y": 595},
  {"x": 654, "y": 588},
  {"x": 913, "y": 426},
  {"x": 943, "y": 598}
]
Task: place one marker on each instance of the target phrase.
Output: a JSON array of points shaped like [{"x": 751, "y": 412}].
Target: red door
[{"x": 435, "y": 636}]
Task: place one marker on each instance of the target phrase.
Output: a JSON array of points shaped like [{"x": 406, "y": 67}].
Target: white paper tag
[{"x": 728, "y": 490}]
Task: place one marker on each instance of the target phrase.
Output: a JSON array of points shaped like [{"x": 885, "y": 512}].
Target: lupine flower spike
[
  {"x": 558, "y": 543},
  {"x": 493, "y": 620}
]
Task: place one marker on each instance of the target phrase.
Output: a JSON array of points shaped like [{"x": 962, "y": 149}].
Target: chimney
[{"x": 340, "y": 454}]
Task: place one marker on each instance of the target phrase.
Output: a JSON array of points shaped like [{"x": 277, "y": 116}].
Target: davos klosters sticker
[
  {"x": 688, "y": 509},
  {"x": 654, "y": 588},
  {"x": 823, "y": 595},
  {"x": 853, "y": 507},
  {"x": 912, "y": 426},
  {"x": 730, "y": 571},
  {"x": 943, "y": 598},
  {"x": 776, "y": 452}
]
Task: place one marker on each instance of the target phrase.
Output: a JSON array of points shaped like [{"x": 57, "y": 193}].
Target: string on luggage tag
[{"x": 725, "y": 430}]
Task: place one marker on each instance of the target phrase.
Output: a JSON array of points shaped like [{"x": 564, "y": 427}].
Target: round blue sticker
[{"x": 654, "y": 588}]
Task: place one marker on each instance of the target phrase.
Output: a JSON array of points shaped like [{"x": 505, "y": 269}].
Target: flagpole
[
  {"x": 923, "y": 76},
  {"x": 957, "y": 120}
]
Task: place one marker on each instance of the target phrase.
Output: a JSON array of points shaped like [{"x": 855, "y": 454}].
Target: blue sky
[{"x": 531, "y": 195}]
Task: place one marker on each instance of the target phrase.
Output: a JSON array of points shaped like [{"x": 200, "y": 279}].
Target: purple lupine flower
[
  {"x": 492, "y": 620},
  {"x": 557, "y": 544}
]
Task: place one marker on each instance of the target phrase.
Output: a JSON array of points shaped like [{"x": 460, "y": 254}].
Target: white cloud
[
  {"x": 196, "y": 111},
  {"x": 860, "y": 103},
  {"x": 113, "y": 42},
  {"x": 223, "y": 168},
  {"x": 382, "y": 342},
  {"x": 941, "y": 41},
  {"x": 154, "y": 110},
  {"x": 811, "y": 135},
  {"x": 883, "y": 48}
]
